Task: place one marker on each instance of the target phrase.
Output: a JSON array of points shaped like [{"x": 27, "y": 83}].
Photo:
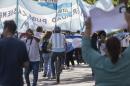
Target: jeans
[
  {"x": 47, "y": 61},
  {"x": 35, "y": 67},
  {"x": 69, "y": 58},
  {"x": 41, "y": 62},
  {"x": 78, "y": 55},
  {"x": 61, "y": 56}
]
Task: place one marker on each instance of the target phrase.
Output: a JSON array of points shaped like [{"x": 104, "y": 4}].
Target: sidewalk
[{"x": 78, "y": 76}]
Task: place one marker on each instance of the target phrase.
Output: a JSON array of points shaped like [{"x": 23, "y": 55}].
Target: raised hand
[
  {"x": 88, "y": 29},
  {"x": 127, "y": 16}
]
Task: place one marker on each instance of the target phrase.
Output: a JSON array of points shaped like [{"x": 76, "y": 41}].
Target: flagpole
[
  {"x": 79, "y": 15},
  {"x": 71, "y": 16},
  {"x": 1, "y": 24},
  {"x": 56, "y": 13},
  {"x": 79, "y": 3},
  {"x": 17, "y": 13}
]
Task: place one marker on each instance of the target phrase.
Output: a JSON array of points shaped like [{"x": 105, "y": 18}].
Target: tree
[
  {"x": 115, "y": 3},
  {"x": 90, "y": 1}
]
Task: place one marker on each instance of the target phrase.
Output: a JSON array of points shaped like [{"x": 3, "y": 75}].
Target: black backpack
[{"x": 44, "y": 46}]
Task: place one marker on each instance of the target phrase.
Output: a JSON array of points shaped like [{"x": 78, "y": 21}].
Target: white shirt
[
  {"x": 58, "y": 41},
  {"x": 103, "y": 49},
  {"x": 76, "y": 43},
  {"x": 33, "y": 50},
  {"x": 125, "y": 43}
]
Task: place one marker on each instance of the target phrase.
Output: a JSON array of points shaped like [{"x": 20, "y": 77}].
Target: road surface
[{"x": 78, "y": 76}]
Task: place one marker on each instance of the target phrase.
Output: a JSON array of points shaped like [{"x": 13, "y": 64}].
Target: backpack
[{"x": 45, "y": 46}]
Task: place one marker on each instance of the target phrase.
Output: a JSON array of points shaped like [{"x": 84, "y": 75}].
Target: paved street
[{"x": 79, "y": 76}]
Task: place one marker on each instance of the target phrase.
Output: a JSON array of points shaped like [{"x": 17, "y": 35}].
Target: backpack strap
[{"x": 29, "y": 44}]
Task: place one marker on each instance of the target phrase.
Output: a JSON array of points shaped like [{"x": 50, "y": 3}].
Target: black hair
[
  {"x": 113, "y": 46},
  {"x": 10, "y": 25},
  {"x": 57, "y": 29},
  {"x": 125, "y": 30},
  {"x": 94, "y": 39},
  {"x": 48, "y": 35},
  {"x": 30, "y": 31},
  {"x": 39, "y": 29},
  {"x": 102, "y": 33},
  {"x": 78, "y": 31}
]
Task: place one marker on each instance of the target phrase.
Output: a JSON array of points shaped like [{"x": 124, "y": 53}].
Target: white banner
[
  {"x": 68, "y": 18},
  {"x": 32, "y": 14}
]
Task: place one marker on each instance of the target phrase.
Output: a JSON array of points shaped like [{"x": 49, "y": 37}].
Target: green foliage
[{"x": 90, "y": 1}]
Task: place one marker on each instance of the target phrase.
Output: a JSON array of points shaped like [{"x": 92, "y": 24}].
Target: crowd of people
[{"x": 37, "y": 50}]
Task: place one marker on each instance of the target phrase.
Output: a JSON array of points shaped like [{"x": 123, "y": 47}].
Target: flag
[
  {"x": 64, "y": 9},
  {"x": 82, "y": 9}
]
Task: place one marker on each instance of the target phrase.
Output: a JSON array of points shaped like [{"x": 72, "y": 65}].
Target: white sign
[{"x": 114, "y": 19}]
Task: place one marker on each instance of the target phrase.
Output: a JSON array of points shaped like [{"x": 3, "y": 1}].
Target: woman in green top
[{"x": 112, "y": 69}]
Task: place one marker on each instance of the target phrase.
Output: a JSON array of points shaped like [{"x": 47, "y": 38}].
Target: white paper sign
[{"x": 114, "y": 19}]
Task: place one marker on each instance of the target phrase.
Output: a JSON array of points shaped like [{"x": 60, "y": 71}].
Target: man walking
[
  {"x": 13, "y": 57},
  {"x": 58, "y": 48},
  {"x": 32, "y": 44}
]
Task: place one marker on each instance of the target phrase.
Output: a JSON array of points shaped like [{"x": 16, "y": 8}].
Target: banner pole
[
  {"x": 17, "y": 13},
  {"x": 71, "y": 16},
  {"x": 56, "y": 12},
  {"x": 79, "y": 14}
]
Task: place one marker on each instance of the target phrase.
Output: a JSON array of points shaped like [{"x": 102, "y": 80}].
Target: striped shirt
[{"x": 58, "y": 42}]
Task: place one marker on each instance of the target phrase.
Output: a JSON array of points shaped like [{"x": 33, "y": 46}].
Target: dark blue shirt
[{"x": 13, "y": 54}]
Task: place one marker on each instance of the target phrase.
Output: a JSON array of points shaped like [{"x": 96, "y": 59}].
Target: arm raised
[
  {"x": 88, "y": 29},
  {"x": 127, "y": 16}
]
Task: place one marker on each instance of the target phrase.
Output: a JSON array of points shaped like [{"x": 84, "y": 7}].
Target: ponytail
[
  {"x": 113, "y": 46},
  {"x": 114, "y": 57}
]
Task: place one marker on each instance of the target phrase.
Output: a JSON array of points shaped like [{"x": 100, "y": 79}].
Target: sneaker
[
  {"x": 44, "y": 75},
  {"x": 54, "y": 77},
  {"x": 49, "y": 78}
]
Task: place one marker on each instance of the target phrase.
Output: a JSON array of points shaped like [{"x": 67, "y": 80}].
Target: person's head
[
  {"x": 57, "y": 29},
  {"x": 48, "y": 34},
  {"x": 82, "y": 33},
  {"x": 125, "y": 30},
  {"x": 102, "y": 35},
  {"x": 29, "y": 33},
  {"x": 78, "y": 32},
  {"x": 68, "y": 32},
  {"x": 95, "y": 36},
  {"x": 9, "y": 28},
  {"x": 39, "y": 29},
  {"x": 113, "y": 47}
]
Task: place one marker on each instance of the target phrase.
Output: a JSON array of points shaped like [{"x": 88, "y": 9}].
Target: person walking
[
  {"x": 13, "y": 57},
  {"x": 69, "y": 55},
  {"x": 46, "y": 54},
  {"x": 76, "y": 43},
  {"x": 58, "y": 48},
  {"x": 32, "y": 44}
]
